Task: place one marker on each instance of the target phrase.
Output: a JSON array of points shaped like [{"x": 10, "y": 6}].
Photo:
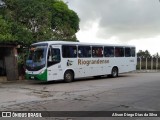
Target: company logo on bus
[
  {"x": 89, "y": 62},
  {"x": 69, "y": 63}
]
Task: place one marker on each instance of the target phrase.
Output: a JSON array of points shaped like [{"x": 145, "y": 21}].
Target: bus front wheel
[
  {"x": 68, "y": 76},
  {"x": 114, "y": 72}
]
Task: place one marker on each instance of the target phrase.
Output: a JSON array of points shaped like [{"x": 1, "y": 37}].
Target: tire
[
  {"x": 114, "y": 72},
  {"x": 68, "y": 76}
]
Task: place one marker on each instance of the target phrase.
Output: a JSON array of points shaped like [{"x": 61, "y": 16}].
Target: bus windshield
[{"x": 37, "y": 57}]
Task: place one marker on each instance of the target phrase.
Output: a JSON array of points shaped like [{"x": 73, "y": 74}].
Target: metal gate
[{"x": 11, "y": 68}]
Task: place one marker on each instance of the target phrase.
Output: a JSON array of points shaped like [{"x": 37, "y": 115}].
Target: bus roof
[{"x": 79, "y": 43}]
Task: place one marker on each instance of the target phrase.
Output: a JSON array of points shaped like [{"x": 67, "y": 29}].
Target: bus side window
[
  {"x": 54, "y": 53},
  {"x": 109, "y": 51},
  {"x": 133, "y": 51},
  {"x": 69, "y": 51},
  {"x": 88, "y": 51},
  {"x": 80, "y": 52},
  {"x": 127, "y": 52},
  {"x": 73, "y": 52},
  {"x": 97, "y": 51},
  {"x": 119, "y": 52},
  {"x": 84, "y": 51}
]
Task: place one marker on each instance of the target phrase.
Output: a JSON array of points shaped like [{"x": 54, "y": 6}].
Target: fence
[{"x": 151, "y": 63}]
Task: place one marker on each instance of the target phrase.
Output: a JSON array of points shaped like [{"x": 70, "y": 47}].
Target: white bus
[{"x": 59, "y": 60}]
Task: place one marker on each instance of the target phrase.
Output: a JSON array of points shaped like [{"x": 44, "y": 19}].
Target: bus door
[{"x": 54, "y": 67}]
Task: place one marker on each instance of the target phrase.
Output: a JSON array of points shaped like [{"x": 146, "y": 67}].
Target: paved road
[{"x": 129, "y": 92}]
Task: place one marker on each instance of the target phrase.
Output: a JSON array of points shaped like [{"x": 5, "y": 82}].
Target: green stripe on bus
[{"x": 41, "y": 77}]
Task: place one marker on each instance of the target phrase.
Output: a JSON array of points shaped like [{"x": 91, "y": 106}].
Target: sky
[{"x": 131, "y": 22}]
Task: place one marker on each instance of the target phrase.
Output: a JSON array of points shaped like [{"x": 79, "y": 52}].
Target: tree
[
  {"x": 28, "y": 16},
  {"x": 64, "y": 21},
  {"x": 11, "y": 32},
  {"x": 143, "y": 53},
  {"x": 28, "y": 21},
  {"x": 5, "y": 30},
  {"x": 156, "y": 55}
]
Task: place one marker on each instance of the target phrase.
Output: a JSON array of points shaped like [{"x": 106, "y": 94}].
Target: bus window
[
  {"x": 127, "y": 52},
  {"x": 84, "y": 51},
  {"x": 119, "y": 52},
  {"x": 109, "y": 51},
  {"x": 37, "y": 57},
  {"x": 69, "y": 51},
  {"x": 55, "y": 56},
  {"x": 133, "y": 53},
  {"x": 97, "y": 51}
]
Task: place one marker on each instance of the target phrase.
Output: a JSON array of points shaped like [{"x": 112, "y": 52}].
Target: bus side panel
[
  {"x": 72, "y": 64},
  {"x": 92, "y": 67},
  {"x": 55, "y": 72},
  {"x": 109, "y": 66},
  {"x": 125, "y": 64},
  {"x": 82, "y": 68}
]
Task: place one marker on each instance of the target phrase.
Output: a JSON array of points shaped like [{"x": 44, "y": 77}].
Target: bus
[{"x": 60, "y": 60}]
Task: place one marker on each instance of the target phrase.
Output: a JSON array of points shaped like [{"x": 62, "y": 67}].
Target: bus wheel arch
[
  {"x": 114, "y": 72},
  {"x": 68, "y": 75}
]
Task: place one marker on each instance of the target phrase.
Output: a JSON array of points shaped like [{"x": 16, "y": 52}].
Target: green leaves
[
  {"x": 28, "y": 21},
  {"x": 142, "y": 53},
  {"x": 65, "y": 22},
  {"x": 5, "y": 30}
]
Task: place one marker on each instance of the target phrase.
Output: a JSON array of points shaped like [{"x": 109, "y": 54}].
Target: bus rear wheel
[
  {"x": 114, "y": 72},
  {"x": 68, "y": 76}
]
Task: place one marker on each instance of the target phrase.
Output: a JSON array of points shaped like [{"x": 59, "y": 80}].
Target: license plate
[{"x": 32, "y": 77}]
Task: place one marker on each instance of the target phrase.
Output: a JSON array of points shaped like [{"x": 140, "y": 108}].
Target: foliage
[
  {"x": 64, "y": 21},
  {"x": 11, "y": 32},
  {"x": 28, "y": 21},
  {"x": 5, "y": 30},
  {"x": 156, "y": 55},
  {"x": 144, "y": 54}
]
